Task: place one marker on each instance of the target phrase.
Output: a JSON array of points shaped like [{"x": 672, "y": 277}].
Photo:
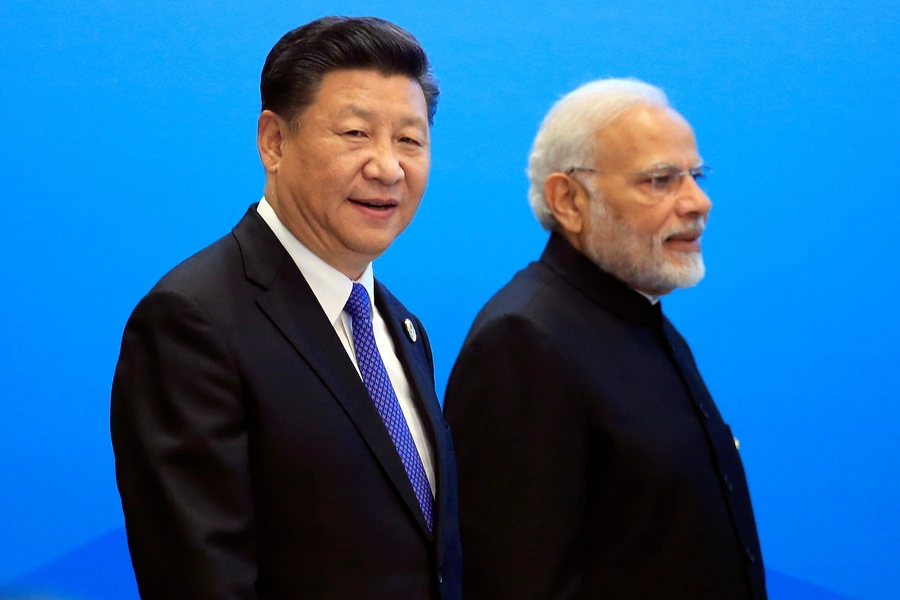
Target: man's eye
[
  {"x": 409, "y": 140},
  {"x": 663, "y": 181},
  {"x": 698, "y": 174},
  {"x": 355, "y": 133}
]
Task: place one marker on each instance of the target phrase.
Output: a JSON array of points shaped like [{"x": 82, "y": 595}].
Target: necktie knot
[{"x": 358, "y": 303}]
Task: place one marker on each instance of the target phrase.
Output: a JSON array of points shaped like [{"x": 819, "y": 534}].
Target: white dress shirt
[{"x": 332, "y": 289}]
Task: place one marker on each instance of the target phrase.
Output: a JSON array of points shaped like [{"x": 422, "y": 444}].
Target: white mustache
[{"x": 695, "y": 227}]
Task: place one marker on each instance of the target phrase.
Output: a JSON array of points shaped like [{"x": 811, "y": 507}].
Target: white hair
[{"x": 566, "y": 136}]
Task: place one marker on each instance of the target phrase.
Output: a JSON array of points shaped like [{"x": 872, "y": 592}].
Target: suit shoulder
[
  {"x": 204, "y": 272},
  {"x": 529, "y": 297},
  {"x": 513, "y": 356},
  {"x": 211, "y": 283}
]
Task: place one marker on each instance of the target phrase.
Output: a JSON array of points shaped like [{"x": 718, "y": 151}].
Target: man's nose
[
  {"x": 692, "y": 199},
  {"x": 383, "y": 165}
]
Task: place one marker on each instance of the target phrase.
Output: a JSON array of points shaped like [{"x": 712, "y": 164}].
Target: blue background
[{"x": 128, "y": 143}]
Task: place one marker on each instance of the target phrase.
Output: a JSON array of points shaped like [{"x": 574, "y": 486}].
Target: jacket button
[
  {"x": 440, "y": 578},
  {"x": 751, "y": 556}
]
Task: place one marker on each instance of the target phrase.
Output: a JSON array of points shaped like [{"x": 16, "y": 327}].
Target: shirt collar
[
  {"x": 652, "y": 299},
  {"x": 331, "y": 287}
]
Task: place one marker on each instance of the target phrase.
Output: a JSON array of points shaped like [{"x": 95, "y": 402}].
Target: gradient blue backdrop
[{"x": 128, "y": 143}]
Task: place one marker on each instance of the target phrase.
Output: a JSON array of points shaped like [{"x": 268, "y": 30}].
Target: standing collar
[
  {"x": 597, "y": 285},
  {"x": 331, "y": 287}
]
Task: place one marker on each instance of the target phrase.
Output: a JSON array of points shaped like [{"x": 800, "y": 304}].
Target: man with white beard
[{"x": 592, "y": 460}]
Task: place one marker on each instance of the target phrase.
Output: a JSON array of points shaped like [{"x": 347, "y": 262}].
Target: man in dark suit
[
  {"x": 274, "y": 420},
  {"x": 592, "y": 460}
]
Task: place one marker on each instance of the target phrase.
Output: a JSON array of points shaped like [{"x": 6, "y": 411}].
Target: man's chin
[
  {"x": 370, "y": 248},
  {"x": 688, "y": 271},
  {"x": 669, "y": 274}
]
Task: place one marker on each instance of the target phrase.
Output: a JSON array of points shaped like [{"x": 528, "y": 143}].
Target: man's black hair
[{"x": 300, "y": 60}]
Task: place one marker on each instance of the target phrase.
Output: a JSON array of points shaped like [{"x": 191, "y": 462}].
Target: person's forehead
[
  {"x": 350, "y": 88},
  {"x": 647, "y": 134}
]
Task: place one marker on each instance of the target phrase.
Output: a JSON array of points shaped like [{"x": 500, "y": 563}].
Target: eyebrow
[
  {"x": 663, "y": 165},
  {"x": 363, "y": 113}
]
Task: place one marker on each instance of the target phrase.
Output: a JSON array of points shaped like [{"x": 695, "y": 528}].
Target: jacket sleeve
[
  {"x": 179, "y": 435},
  {"x": 520, "y": 437}
]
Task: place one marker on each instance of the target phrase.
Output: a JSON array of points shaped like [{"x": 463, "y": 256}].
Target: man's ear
[
  {"x": 271, "y": 131},
  {"x": 568, "y": 201}
]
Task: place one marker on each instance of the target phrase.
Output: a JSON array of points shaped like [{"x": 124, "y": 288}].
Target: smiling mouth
[{"x": 375, "y": 204}]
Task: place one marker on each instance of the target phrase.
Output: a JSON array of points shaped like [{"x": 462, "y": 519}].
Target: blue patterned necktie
[{"x": 379, "y": 385}]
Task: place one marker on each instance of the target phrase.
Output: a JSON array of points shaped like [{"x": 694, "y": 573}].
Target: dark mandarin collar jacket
[{"x": 592, "y": 460}]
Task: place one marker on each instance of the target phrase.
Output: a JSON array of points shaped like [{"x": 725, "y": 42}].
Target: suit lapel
[
  {"x": 418, "y": 372},
  {"x": 290, "y": 304},
  {"x": 415, "y": 358}
]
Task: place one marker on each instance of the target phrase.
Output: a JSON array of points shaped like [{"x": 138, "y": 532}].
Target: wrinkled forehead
[{"x": 643, "y": 136}]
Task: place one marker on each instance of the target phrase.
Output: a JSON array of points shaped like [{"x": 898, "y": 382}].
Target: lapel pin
[
  {"x": 737, "y": 444},
  {"x": 410, "y": 330}
]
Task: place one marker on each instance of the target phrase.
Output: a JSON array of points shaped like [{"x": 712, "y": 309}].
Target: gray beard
[{"x": 639, "y": 259}]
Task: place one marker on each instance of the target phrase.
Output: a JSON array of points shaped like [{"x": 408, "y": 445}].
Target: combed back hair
[
  {"x": 300, "y": 60},
  {"x": 566, "y": 137}
]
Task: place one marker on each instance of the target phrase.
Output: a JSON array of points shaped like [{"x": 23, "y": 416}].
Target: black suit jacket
[
  {"x": 592, "y": 460},
  {"x": 250, "y": 458}
]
